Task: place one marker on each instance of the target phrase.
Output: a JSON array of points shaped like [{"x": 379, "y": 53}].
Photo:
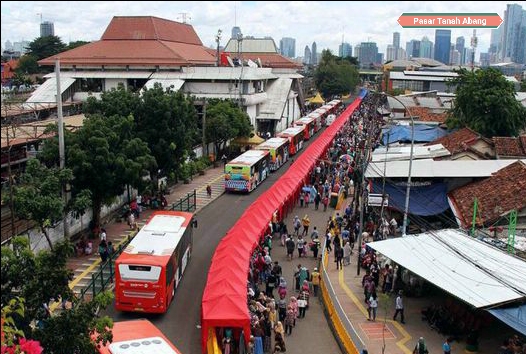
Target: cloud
[{"x": 327, "y": 23}]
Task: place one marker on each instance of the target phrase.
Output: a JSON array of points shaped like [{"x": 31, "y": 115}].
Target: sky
[{"x": 327, "y": 23}]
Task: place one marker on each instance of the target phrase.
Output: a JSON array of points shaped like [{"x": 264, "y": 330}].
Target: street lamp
[
  {"x": 408, "y": 189},
  {"x": 218, "y": 39}
]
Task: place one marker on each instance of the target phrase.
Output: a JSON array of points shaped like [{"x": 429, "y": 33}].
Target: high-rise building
[
  {"x": 368, "y": 54},
  {"x": 47, "y": 29},
  {"x": 345, "y": 50},
  {"x": 21, "y": 47},
  {"x": 426, "y": 48},
  {"x": 459, "y": 46},
  {"x": 496, "y": 40},
  {"x": 454, "y": 56},
  {"x": 314, "y": 55},
  {"x": 396, "y": 44},
  {"x": 8, "y": 45},
  {"x": 413, "y": 48},
  {"x": 307, "y": 56},
  {"x": 514, "y": 34},
  {"x": 390, "y": 53},
  {"x": 236, "y": 32},
  {"x": 442, "y": 45},
  {"x": 287, "y": 47}
]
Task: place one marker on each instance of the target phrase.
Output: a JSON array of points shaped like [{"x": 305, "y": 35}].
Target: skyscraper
[
  {"x": 514, "y": 34},
  {"x": 47, "y": 29},
  {"x": 236, "y": 31},
  {"x": 396, "y": 44},
  {"x": 426, "y": 48},
  {"x": 459, "y": 46},
  {"x": 307, "y": 56},
  {"x": 314, "y": 55},
  {"x": 287, "y": 47},
  {"x": 368, "y": 54},
  {"x": 442, "y": 45},
  {"x": 345, "y": 50}
]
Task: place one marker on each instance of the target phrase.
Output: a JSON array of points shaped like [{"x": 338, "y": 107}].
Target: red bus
[
  {"x": 138, "y": 336},
  {"x": 151, "y": 267},
  {"x": 279, "y": 151},
  {"x": 295, "y": 136},
  {"x": 310, "y": 124}
]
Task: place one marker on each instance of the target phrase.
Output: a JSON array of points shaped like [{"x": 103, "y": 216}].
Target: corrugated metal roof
[
  {"x": 107, "y": 74},
  {"x": 47, "y": 92},
  {"x": 402, "y": 153},
  {"x": 463, "y": 266},
  {"x": 436, "y": 169}
]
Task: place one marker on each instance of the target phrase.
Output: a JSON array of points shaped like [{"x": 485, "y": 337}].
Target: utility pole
[
  {"x": 11, "y": 201},
  {"x": 218, "y": 39},
  {"x": 204, "y": 126},
  {"x": 61, "y": 148}
]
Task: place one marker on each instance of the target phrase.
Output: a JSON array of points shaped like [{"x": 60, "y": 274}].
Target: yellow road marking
[{"x": 405, "y": 336}]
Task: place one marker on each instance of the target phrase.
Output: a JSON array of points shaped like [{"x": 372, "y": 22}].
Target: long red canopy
[{"x": 224, "y": 302}]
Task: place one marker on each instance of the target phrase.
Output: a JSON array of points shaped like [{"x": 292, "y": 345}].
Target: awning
[
  {"x": 469, "y": 269},
  {"x": 255, "y": 140},
  {"x": 422, "y": 133},
  {"x": 47, "y": 92},
  {"x": 423, "y": 200},
  {"x": 317, "y": 99},
  {"x": 515, "y": 317}
]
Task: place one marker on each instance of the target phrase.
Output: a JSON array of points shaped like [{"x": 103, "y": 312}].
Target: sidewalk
[{"x": 117, "y": 232}]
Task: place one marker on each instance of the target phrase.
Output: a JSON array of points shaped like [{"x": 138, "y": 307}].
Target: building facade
[
  {"x": 287, "y": 47},
  {"x": 442, "y": 45},
  {"x": 47, "y": 29}
]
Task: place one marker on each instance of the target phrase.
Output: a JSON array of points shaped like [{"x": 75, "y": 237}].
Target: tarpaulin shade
[
  {"x": 423, "y": 200},
  {"x": 423, "y": 133},
  {"x": 514, "y": 316},
  {"x": 224, "y": 302}
]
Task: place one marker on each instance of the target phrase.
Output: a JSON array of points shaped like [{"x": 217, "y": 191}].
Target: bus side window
[{"x": 169, "y": 272}]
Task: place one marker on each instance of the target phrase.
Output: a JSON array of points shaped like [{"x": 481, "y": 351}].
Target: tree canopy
[
  {"x": 38, "y": 195},
  {"x": 225, "y": 121},
  {"x": 485, "y": 102},
  {"x": 334, "y": 75},
  {"x": 29, "y": 281},
  {"x": 44, "y": 47}
]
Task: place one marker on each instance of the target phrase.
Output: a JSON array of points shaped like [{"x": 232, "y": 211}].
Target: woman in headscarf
[
  {"x": 420, "y": 347},
  {"x": 279, "y": 336},
  {"x": 282, "y": 287}
]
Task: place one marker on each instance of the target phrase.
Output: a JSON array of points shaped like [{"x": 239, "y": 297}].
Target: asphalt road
[{"x": 181, "y": 322}]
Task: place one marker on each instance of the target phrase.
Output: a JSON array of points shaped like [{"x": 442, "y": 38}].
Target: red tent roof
[{"x": 224, "y": 301}]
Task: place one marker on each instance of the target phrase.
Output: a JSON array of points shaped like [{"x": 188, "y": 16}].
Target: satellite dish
[
  {"x": 251, "y": 64},
  {"x": 259, "y": 62},
  {"x": 230, "y": 61}
]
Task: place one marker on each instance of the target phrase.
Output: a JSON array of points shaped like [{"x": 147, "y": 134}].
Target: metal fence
[{"x": 187, "y": 203}]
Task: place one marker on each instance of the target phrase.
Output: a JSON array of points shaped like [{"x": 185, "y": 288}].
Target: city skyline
[{"x": 328, "y": 24}]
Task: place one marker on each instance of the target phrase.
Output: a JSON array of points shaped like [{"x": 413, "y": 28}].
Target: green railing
[
  {"x": 106, "y": 273},
  {"x": 187, "y": 203}
]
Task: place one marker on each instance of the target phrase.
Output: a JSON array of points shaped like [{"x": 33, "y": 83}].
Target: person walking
[
  {"x": 338, "y": 253},
  {"x": 315, "y": 275},
  {"x": 399, "y": 307},
  {"x": 209, "y": 191},
  {"x": 420, "y": 347},
  {"x": 446, "y": 347},
  {"x": 306, "y": 223},
  {"x": 373, "y": 306}
]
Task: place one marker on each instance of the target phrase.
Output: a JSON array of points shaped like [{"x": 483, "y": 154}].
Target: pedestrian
[
  {"x": 209, "y": 191},
  {"x": 373, "y": 306},
  {"x": 328, "y": 241},
  {"x": 302, "y": 304},
  {"x": 297, "y": 224},
  {"x": 315, "y": 281},
  {"x": 103, "y": 251},
  {"x": 399, "y": 307},
  {"x": 317, "y": 200},
  {"x": 111, "y": 249},
  {"x": 301, "y": 246},
  {"x": 131, "y": 220},
  {"x": 103, "y": 234},
  {"x": 338, "y": 253},
  {"x": 302, "y": 198},
  {"x": 420, "y": 347},
  {"x": 290, "y": 245},
  {"x": 325, "y": 202},
  {"x": 315, "y": 247},
  {"x": 306, "y": 223},
  {"x": 347, "y": 253},
  {"x": 446, "y": 347}
]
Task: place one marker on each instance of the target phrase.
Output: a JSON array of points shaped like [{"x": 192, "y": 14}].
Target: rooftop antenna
[
  {"x": 474, "y": 41},
  {"x": 184, "y": 16},
  {"x": 40, "y": 14}
]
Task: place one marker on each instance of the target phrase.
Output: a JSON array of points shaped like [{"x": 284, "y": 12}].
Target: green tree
[
  {"x": 167, "y": 121},
  {"x": 45, "y": 47},
  {"x": 335, "y": 76},
  {"x": 225, "y": 121},
  {"x": 117, "y": 101},
  {"x": 523, "y": 86},
  {"x": 76, "y": 44},
  {"x": 38, "y": 196},
  {"x": 27, "y": 65},
  {"x": 105, "y": 157},
  {"x": 38, "y": 278},
  {"x": 485, "y": 102}
]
